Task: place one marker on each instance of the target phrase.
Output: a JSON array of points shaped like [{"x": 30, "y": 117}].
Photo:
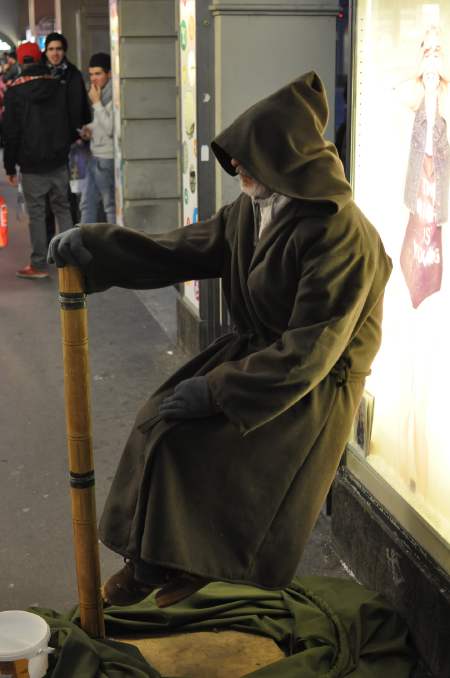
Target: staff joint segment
[
  {"x": 72, "y": 301},
  {"x": 81, "y": 481}
]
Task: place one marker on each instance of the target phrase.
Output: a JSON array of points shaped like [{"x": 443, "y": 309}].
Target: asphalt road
[{"x": 130, "y": 355}]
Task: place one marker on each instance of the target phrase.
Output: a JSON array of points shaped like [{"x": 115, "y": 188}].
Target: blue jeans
[{"x": 98, "y": 188}]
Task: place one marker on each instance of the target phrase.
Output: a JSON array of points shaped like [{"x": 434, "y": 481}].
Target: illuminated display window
[{"x": 401, "y": 176}]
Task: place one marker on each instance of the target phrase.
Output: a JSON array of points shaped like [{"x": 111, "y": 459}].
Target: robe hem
[{"x": 211, "y": 578}]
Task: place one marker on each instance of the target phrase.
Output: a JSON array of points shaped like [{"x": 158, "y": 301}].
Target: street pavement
[{"x": 130, "y": 355}]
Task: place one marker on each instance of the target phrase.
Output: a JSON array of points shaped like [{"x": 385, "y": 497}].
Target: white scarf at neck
[{"x": 266, "y": 211}]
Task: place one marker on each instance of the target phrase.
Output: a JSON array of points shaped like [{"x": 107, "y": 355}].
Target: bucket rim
[{"x": 33, "y": 649}]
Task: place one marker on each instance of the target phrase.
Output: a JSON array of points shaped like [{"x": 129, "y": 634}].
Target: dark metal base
[{"x": 386, "y": 558}]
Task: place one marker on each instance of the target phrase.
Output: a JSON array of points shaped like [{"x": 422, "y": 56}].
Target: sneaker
[
  {"x": 179, "y": 588},
  {"x": 123, "y": 589},
  {"x": 31, "y": 273}
]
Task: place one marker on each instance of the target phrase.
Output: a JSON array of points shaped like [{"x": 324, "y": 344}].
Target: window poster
[
  {"x": 401, "y": 176},
  {"x": 187, "y": 40}
]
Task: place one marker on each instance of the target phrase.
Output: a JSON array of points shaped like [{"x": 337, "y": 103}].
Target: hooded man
[
  {"x": 229, "y": 462},
  {"x": 99, "y": 184},
  {"x": 36, "y": 137}
]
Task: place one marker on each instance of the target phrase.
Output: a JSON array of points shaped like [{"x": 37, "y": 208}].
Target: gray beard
[{"x": 256, "y": 191}]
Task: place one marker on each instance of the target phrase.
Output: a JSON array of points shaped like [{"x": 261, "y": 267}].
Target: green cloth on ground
[{"x": 327, "y": 627}]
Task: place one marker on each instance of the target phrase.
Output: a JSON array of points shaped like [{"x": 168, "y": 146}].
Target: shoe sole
[{"x": 39, "y": 276}]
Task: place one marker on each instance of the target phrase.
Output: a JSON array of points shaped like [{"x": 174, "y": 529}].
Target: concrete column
[
  {"x": 143, "y": 45},
  {"x": 259, "y": 47}
]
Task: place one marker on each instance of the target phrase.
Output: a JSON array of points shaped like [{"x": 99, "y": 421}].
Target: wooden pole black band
[
  {"x": 81, "y": 481},
  {"x": 72, "y": 301}
]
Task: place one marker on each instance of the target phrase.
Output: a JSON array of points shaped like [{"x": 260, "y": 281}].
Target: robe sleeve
[
  {"x": 331, "y": 294},
  {"x": 125, "y": 257}
]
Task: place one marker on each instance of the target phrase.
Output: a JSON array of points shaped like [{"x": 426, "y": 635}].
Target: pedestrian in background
[
  {"x": 11, "y": 68},
  {"x": 37, "y": 137},
  {"x": 55, "y": 60},
  {"x": 99, "y": 185},
  {"x": 59, "y": 67}
]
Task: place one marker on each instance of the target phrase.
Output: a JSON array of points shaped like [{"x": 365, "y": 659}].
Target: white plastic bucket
[{"x": 24, "y": 635}]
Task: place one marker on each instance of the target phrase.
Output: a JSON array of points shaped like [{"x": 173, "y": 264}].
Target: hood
[
  {"x": 279, "y": 141},
  {"x": 35, "y": 84}
]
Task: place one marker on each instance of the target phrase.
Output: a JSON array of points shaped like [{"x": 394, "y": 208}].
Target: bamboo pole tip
[{"x": 71, "y": 279}]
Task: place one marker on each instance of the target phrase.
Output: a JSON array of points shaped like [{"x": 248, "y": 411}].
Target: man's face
[
  {"x": 98, "y": 76},
  {"x": 250, "y": 186},
  {"x": 55, "y": 52}
]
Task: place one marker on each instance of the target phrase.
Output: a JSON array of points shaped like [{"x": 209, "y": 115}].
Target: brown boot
[
  {"x": 180, "y": 587},
  {"x": 123, "y": 589}
]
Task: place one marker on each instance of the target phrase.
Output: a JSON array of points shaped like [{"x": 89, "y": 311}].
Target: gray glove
[
  {"x": 67, "y": 249},
  {"x": 191, "y": 398}
]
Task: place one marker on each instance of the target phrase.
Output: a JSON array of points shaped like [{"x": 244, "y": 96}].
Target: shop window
[{"x": 400, "y": 172}]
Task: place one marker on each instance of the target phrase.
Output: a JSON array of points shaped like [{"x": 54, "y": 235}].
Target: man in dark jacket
[
  {"x": 37, "y": 138},
  {"x": 58, "y": 66},
  {"x": 55, "y": 59},
  {"x": 229, "y": 462}
]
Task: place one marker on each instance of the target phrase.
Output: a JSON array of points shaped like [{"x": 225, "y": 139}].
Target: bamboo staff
[{"x": 79, "y": 442}]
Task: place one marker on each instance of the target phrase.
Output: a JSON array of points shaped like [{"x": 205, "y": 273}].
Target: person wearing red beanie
[{"x": 37, "y": 137}]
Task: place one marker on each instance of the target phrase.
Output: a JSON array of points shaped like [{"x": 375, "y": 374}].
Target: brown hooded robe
[{"x": 234, "y": 496}]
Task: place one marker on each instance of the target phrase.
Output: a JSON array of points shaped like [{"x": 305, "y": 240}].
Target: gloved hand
[
  {"x": 191, "y": 398},
  {"x": 67, "y": 249}
]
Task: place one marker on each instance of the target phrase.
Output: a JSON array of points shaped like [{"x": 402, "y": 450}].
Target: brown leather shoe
[
  {"x": 123, "y": 589},
  {"x": 180, "y": 587}
]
